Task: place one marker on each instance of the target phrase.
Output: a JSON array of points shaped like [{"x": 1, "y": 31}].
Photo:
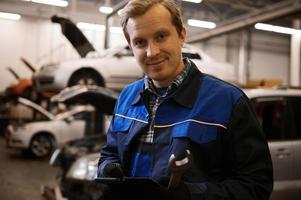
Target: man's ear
[{"x": 182, "y": 35}]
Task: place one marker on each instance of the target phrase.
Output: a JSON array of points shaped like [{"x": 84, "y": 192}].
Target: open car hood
[
  {"x": 36, "y": 107},
  {"x": 102, "y": 98},
  {"x": 74, "y": 35}
]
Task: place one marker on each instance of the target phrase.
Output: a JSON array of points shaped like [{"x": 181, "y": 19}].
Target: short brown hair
[{"x": 136, "y": 8}]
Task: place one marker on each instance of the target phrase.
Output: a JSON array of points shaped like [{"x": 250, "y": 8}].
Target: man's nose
[{"x": 152, "y": 49}]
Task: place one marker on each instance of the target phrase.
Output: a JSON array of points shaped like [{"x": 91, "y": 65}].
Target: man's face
[{"x": 157, "y": 45}]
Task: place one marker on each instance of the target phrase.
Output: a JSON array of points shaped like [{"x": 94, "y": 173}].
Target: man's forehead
[{"x": 158, "y": 16}]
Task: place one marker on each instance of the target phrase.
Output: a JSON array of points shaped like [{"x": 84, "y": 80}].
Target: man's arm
[
  {"x": 247, "y": 161},
  {"x": 109, "y": 154}
]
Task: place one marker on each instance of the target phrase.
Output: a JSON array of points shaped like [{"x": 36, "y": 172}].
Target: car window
[
  {"x": 295, "y": 103},
  {"x": 274, "y": 116}
]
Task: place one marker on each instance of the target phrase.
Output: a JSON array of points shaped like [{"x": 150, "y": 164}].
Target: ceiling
[{"x": 219, "y": 11}]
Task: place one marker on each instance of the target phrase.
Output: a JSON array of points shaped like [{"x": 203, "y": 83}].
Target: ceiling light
[
  {"x": 193, "y": 1},
  {"x": 60, "y": 3},
  {"x": 119, "y": 12},
  {"x": 11, "y": 16},
  {"x": 116, "y": 29},
  {"x": 277, "y": 29},
  {"x": 93, "y": 27},
  {"x": 98, "y": 27},
  {"x": 201, "y": 24},
  {"x": 105, "y": 9}
]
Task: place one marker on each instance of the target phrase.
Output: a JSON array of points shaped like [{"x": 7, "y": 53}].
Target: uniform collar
[{"x": 187, "y": 93}]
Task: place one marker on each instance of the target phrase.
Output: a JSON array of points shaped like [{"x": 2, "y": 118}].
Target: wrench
[{"x": 178, "y": 167}]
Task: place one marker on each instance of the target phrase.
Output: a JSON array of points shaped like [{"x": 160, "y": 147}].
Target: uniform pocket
[{"x": 197, "y": 132}]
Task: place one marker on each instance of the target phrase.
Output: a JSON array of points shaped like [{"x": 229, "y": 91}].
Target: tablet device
[{"x": 146, "y": 181}]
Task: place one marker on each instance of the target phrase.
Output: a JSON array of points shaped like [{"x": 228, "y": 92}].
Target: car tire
[
  {"x": 41, "y": 145},
  {"x": 85, "y": 78}
]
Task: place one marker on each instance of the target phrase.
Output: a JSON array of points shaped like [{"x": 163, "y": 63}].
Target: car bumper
[{"x": 15, "y": 141}]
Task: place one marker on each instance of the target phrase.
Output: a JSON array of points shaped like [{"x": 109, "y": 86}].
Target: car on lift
[
  {"x": 113, "y": 68},
  {"x": 40, "y": 138},
  {"x": 278, "y": 112}
]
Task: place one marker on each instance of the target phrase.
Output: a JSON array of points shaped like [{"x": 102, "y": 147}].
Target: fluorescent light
[
  {"x": 119, "y": 12},
  {"x": 193, "y": 1},
  {"x": 200, "y": 23},
  {"x": 60, "y": 3},
  {"x": 277, "y": 29},
  {"x": 93, "y": 27},
  {"x": 98, "y": 27},
  {"x": 105, "y": 9},
  {"x": 10, "y": 16},
  {"x": 116, "y": 29}
]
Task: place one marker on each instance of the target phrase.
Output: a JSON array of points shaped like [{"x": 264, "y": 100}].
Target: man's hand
[{"x": 113, "y": 170}]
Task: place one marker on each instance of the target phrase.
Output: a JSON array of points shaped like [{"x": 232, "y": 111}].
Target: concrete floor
[{"x": 21, "y": 176}]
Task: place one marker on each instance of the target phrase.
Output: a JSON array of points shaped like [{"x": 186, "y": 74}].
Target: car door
[
  {"x": 72, "y": 127},
  {"x": 274, "y": 117},
  {"x": 295, "y": 104}
]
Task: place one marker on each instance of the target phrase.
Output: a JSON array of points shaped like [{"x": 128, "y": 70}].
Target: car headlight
[
  {"x": 84, "y": 168},
  {"x": 22, "y": 128}
]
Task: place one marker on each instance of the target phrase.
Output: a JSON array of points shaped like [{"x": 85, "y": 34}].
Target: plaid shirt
[{"x": 158, "y": 95}]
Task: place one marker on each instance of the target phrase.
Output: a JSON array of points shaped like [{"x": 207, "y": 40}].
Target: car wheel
[
  {"x": 41, "y": 145},
  {"x": 85, "y": 78}
]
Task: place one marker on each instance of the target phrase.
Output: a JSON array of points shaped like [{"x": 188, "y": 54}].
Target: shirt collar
[
  {"x": 149, "y": 85},
  {"x": 186, "y": 83}
]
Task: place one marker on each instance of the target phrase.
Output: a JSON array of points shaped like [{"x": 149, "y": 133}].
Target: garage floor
[{"x": 21, "y": 176}]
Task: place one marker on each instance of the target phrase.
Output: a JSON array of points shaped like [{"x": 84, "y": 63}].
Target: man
[{"x": 178, "y": 113}]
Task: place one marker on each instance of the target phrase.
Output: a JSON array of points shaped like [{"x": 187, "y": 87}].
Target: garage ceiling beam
[
  {"x": 235, "y": 6},
  {"x": 268, "y": 13}
]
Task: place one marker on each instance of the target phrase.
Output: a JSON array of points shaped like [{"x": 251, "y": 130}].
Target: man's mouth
[{"x": 157, "y": 62}]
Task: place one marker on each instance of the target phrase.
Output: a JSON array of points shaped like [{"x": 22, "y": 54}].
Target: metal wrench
[{"x": 178, "y": 167}]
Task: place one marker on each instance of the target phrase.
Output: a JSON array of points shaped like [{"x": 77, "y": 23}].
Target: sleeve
[
  {"x": 247, "y": 161},
  {"x": 109, "y": 153}
]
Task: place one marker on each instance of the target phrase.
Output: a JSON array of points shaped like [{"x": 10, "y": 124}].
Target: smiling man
[
  {"x": 157, "y": 45},
  {"x": 193, "y": 134}
]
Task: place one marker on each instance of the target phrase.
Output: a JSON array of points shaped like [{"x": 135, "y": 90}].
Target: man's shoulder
[
  {"x": 130, "y": 92},
  {"x": 132, "y": 87},
  {"x": 220, "y": 87}
]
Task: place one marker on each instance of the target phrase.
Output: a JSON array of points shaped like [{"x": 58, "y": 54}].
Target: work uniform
[{"x": 230, "y": 155}]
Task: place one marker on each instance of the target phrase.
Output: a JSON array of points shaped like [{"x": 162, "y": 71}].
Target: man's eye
[
  {"x": 161, "y": 36},
  {"x": 139, "y": 43}
]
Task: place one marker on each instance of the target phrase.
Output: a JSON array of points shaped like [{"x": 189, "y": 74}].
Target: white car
[
  {"x": 42, "y": 137},
  {"x": 113, "y": 68}
]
